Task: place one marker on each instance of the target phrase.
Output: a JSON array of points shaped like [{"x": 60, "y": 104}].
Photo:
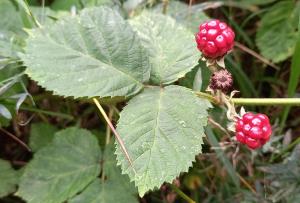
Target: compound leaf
[{"x": 162, "y": 129}]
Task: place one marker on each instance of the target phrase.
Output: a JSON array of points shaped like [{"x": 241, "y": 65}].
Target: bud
[{"x": 221, "y": 80}]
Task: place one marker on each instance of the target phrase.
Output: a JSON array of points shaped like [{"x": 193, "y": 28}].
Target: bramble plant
[{"x": 104, "y": 57}]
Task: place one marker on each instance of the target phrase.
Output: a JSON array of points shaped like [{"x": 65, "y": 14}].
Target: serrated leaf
[
  {"x": 95, "y": 54},
  {"x": 172, "y": 48},
  {"x": 115, "y": 188},
  {"x": 276, "y": 37},
  {"x": 61, "y": 169},
  {"x": 41, "y": 134},
  {"x": 162, "y": 129},
  {"x": 9, "y": 178}
]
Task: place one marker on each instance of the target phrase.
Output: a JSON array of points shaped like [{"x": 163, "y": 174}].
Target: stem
[
  {"x": 181, "y": 194},
  {"x": 207, "y": 96},
  {"x": 107, "y": 139},
  {"x": 165, "y": 6},
  {"x": 118, "y": 137},
  {"x": 256, "y": 55},
  {"x": 31, "y": 109},
  {"x": 16, "y": 139},
  {"x": 254, "y": 101},
  {"x": 247, "y": 184},
  {"x": 110, "y": 115},
  {"x": 267, "y": 101}
]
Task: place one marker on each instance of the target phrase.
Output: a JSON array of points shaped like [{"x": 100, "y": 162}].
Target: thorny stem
[
  {"x": 254, "y": 101},
  {"x": 181, "y": 194},
  {"x": 118, "y": 137}
]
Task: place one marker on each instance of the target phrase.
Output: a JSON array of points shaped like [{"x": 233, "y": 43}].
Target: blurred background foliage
[{"x": 265, "y": 63}]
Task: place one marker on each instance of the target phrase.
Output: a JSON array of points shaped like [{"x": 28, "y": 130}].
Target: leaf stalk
[
  {"x": 181, "y": 194},
  {"x": 118, "y": 137}
]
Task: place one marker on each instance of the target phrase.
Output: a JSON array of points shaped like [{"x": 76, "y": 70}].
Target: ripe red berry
[
  {"x": 214, "y": 39},
  {"x": 254, "y": 130}
]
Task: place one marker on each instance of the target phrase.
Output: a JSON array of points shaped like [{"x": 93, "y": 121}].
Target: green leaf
[
  {"x": 41, "y": 134},
  {"x": 47, "y": 16},
  {"x": 9, "y": 178},
  {"x": 79, "y": 4},
  {"x": 104, "y": 193},
  {"x": 88, "y": 3},
  {"x": 115, "y": 188},
  {"x": 294, "y": 75},
  {"x": 95, "y": 54},
  {"x": 162, "y": 129},
  {"x": 172, "y": 48},
  {"x": 11, "y": 33},
  {"x": 5, "y": 112},
  {"x": 23, "y": 4},
  {"x": 198, "y": 78},
  {"x": 276, "y": 37},
  {"x": 190, "y": 17},
  {"x": 10, "y": 19},
  {"x": 61, "y": 169},
  {"x": 66, "y": 5}
]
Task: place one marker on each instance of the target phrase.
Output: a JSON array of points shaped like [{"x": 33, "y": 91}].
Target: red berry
[
  {"x": 254, "y": 130},
  {"x": 241, "y": 137},
  {"x": 252, "y": 143},
  {"x": 214, "y": 39}
]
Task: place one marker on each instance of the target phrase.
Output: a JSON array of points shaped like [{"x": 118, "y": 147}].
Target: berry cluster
[
  {"x": 254, "y": 130},
  {"x": 214, "y": 39}
]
